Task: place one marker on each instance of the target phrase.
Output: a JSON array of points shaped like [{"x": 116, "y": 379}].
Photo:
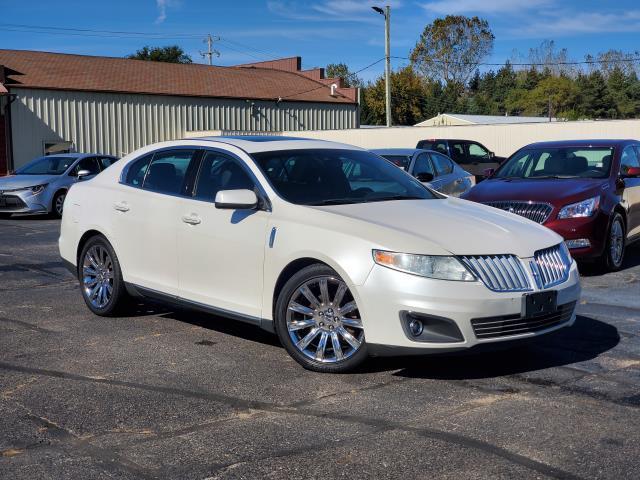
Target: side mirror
[
  {"x": 236, "y": 199},
  {"x": 82, "y": 174},
  {"x": 489, "y": 172},
  {"x": 492, "y": 155},
  {"x": 424, "y": 177},
  {"x": 632, "y": 172}
]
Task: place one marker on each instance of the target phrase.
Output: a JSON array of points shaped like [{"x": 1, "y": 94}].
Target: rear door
[
  {"x": 631, "y": 195},
  {"x": 146, "y": 218},
  {"x": 445, "y": 176}
]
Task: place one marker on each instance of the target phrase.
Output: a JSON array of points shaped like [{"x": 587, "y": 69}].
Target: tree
[
  {"x": 559, "y": 93},
  {"x": 341, "y": 70},
  {"x": 169, "y": 54},
  {"x": 410, "y": 99},
  {"x": 596, "y": 101},
  {"x": 451, "y": 48}
]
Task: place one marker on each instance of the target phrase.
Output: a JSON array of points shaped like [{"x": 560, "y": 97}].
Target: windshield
[
  {"x": 401, "y": 161},
  {"x": 46, "y": 166},
  {"x": 565, "y": 162},
  {"x": 334, "y": 177}
]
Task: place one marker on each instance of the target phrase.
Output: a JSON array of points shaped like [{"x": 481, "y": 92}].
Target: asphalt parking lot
[{"x": 165, "y": 394}]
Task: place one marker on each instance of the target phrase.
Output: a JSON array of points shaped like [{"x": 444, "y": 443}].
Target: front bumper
[
  {"x": 388, "y": 294},
  {"x": 592, "y": 228},
  {"x": 24, "y": 201}
]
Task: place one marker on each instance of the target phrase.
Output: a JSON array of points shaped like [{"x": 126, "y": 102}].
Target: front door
[
  {"x": 222, "y": 250},
  {"x": 631, "y": 195}
]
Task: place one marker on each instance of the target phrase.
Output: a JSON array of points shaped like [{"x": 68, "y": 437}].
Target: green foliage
[
  {"x": 341, "y": 70},
  {"x": 451, "y": 48},
  {"x": 169, "y": 54}
]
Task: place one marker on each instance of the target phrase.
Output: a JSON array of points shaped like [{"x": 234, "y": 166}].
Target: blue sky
[{"x": 321, "y": 31}]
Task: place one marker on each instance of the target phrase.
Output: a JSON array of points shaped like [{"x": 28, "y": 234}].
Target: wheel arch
[
  {"x": 287, "y": 272},
  {"x": 53, "y": 197},
  {"x": 86, "y": 236}
]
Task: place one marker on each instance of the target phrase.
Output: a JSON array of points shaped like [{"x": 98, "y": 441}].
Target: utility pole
[
  {"x": 387, "y": 54},
  {"x": 550, "y": 108},
  {"x": 210, "y": 50}
]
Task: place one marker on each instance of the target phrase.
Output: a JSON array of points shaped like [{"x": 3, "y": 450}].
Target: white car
[{"x": 336, "y": 250}]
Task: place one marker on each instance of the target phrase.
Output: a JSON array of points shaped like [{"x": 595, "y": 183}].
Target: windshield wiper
[
  {"x": 545, "y": 177},
  {"x": 335, "y": 201},
  {"x": 394, "y": 197}
]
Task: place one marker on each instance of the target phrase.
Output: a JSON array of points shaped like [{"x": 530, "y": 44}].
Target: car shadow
[
  {"x": 631, "y": 260},
  {"x": 585, "y": 340}
]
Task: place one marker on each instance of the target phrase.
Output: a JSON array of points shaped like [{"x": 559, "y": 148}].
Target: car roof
[
  {"x": 267, "y": 143},
  {"x": 76, "y": 155},
  {"x": 582, "y": 143},
  {"x": 397, "y": 151}
]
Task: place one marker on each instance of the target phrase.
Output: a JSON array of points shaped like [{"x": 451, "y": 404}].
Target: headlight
[
  {"x": 440, "y": 267},
  {"x": 585, "y": 208},
  {"x": 38, "y": 189}
]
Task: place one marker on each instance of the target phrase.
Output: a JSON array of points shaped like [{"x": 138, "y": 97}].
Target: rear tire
[
  {"x": 318, "y": 322},
  {"x": 613, "y": 255},
  {"x": 100, "y": 278}
]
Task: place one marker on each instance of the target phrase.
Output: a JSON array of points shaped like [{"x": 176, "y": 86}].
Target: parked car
[
  {"x": 588, "y": 191},
  {"x": 474, "y": 157},
  {"x": 431, "y": 168},
  {"x": 290, "y": 235},
  {"x": 42, "y": 184}
]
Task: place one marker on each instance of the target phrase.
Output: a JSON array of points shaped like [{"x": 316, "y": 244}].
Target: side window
[
  {"x": 628, "y": 159},
  {"x": 137, "y": 170},
  {"x": 458, "y": 153},
  {"x": 440, "y": 147},
  {"x": 219, "y": 172},
  {"x": 423, "y": 165},
  {"x": 90, "y": 163},
  {"x": 478, "y": 153},
  {"x": 106, "y": 162},
  {"x": 167, "y": 171},
  {"x": 443, "y": 164}
]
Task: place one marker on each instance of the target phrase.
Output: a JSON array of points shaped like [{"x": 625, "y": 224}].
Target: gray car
[
  {"x": 41, "y": 185},
  {"x": 432, "y": 168}
]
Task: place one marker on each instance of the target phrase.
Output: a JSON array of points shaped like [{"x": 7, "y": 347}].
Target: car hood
[
  {"x": 21, "y": 181},
  {"x": 441, "y": 227},
  {"x": 548, "y": 190}
]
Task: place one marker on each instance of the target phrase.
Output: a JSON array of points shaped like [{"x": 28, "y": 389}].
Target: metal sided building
[{"x": 52, "y": 102}]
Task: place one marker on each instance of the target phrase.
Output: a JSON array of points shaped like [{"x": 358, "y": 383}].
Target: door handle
[
  {"x": 191, "y": 220},
  {"x": 121, "y": 206}
]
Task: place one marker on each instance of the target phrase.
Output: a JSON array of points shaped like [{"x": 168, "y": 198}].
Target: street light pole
[{"x": 387, "y": 54}]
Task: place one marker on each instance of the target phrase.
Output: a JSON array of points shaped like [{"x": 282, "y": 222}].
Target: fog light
[
  {"x": 578, "y": 243},
  {"x": 416, "y": 327}
]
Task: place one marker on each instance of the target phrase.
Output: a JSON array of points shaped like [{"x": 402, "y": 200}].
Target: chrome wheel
[
  {"x": 616, "y": 242},
  {"x": 59, "y": 203},
  {"x": 323, "y": 320},
  {"x": 97, "y": 276}
]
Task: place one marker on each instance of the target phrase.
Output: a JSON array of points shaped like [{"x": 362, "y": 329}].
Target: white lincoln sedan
[{"x": 336, "y": 250}]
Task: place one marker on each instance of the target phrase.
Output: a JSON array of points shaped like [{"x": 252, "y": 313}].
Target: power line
[
  {"x": 324, "y": 86},
  {"x": 541, "y": 64},
  {"x": 91, "y": 32}
]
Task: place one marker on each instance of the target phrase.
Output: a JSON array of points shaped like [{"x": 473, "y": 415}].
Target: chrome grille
[
  {"x": 500, "y": 273},
  {"x": 538, "y": 212},
  {"x": 503, "y": 326},
  {"x": 551, "y": 266}
]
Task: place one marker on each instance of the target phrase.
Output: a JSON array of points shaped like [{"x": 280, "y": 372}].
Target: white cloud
[
  {"x": 330, "y": 10},
  {"x": 574, "y": 23},
  {"x": 163, "y": 6},
  {"x": 446, "y": 7}
]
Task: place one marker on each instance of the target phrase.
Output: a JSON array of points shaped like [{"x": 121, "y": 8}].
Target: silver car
[
  {"x": 432, "y": 168},
  {"x": 41, "y": 185}
]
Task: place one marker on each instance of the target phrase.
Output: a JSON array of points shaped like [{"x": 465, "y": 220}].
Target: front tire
[
  {"x": 57, "y": 204},
  {"x": 100, "y": 278},
  {"x": 613, "y": 255},
  {"x": 318, "y": 322}
]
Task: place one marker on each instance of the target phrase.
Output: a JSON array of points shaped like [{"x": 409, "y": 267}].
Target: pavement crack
[{"x": 27, "y": 325}]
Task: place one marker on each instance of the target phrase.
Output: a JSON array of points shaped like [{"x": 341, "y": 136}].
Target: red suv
[{"x": 588, "y": 191}]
